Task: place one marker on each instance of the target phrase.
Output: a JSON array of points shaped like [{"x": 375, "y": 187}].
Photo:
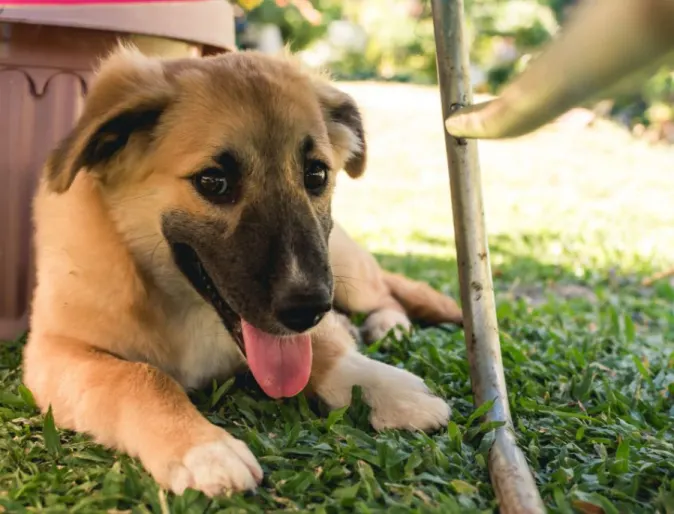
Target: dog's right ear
[
  {"x": 345, "y": 126},
  {"x": 128, "y": 96}
]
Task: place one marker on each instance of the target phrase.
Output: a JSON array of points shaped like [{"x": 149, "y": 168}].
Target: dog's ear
[
  {"x": 126, "y": 100},
  {"x": 345, "y": 127}
]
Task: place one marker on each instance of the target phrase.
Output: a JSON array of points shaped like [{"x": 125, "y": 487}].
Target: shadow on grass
[{"x": 512, "y": 262}]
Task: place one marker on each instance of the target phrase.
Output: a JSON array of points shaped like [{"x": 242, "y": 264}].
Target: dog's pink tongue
[{"x": 280, "y": 365}]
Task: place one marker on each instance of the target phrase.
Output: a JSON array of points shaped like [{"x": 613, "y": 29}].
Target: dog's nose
[{"x": 302, "y": 311}]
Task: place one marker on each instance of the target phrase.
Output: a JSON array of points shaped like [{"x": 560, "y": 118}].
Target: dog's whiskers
[
  {"x": 346, "y": 289},
  {"x": 144, "y": 237},
  {"x": 134, "y": 198},
  {"x": 156, "y": 247},
  {"x": 346, "y": 286},
  {"x": 344, "y": 278}
]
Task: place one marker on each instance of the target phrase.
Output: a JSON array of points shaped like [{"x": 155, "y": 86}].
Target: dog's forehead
[
  {"x": 273, "y": 88},
  {"x": 249, "y": 100}
]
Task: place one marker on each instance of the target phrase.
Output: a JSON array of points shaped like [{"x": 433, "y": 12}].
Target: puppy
[{"x": 183, "y": 231}]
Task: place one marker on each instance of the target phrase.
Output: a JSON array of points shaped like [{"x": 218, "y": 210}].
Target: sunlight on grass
[{"x": 596, "y": 188}]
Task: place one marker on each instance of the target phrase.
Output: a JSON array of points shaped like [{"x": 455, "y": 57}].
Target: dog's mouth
[
  {"x": 280, "y": 365},
  {"x": 190, "y": 265}
]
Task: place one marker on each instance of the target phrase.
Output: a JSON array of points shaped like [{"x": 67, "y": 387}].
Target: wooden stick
[{"x": 510, "y": 475}]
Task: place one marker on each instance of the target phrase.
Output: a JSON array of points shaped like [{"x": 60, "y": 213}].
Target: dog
[{"x": 183, "y": 233}]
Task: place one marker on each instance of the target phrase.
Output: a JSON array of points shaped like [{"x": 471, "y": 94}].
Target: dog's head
[{"x": 223, "y": 167}]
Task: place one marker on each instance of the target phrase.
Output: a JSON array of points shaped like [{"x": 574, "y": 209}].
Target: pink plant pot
[{"x": 47, "y": 56}]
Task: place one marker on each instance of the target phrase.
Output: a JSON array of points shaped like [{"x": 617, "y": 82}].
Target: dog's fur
[{"x": 118, "y": 333}]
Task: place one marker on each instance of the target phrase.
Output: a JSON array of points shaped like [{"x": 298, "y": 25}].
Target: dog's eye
[
  {"x": 315, "y": 176},
  {"x": 214, "y": 184}
]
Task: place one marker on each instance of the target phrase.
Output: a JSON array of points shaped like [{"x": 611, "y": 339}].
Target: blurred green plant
[
  {"x": 400, "y": 42},
  {"x": 301, "y": 22},
  {"x": 650, "y": 111},
  {"x": 399, "y": 45},
  {"x": 518, "y": 27}
]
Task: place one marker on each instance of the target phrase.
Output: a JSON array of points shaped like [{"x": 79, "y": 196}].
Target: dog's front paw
[
  {"x": 418, "y": 411},
  {"x": 406, "y": 403},
  {"x": 222, "y": 466},
  {"x": 396, "y": 397},
  {"x": 381, "y": 322}
]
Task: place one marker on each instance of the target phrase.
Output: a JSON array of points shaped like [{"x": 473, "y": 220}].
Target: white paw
[
  {"x": 222, "y": 466},
  {"x": 405, "y": 402},
  {"x": 398, "y": 398},
  {"x": 381, "y": 322}
]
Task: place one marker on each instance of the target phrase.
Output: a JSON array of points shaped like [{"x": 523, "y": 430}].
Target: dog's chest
[{"x": 204, "y": 348}]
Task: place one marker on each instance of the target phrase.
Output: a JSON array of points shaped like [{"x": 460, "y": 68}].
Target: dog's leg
[
  {"x": 137, "y": 409},
  {"x": 389, "y": 299},
  {"x": 360, "y": 287},
  {"x": 398, "y": 398}
]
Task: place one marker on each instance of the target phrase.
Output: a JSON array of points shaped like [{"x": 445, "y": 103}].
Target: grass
[{"x": 576, "y": 220}]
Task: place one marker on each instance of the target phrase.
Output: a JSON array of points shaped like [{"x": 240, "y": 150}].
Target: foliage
[
  {"x": 400, "y": 34},
  {"x": 503, "y": 36},
  {"x": 652, "y": 106},
  {"x": 296, "y": 30}
]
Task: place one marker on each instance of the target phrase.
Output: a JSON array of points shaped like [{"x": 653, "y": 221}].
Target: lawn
[{"x": 577, "y": 218}]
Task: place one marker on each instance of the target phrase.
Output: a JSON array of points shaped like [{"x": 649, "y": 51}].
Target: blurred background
[
  {"x": 576, "y": 200},
  {"x": 392, "y": 40}
]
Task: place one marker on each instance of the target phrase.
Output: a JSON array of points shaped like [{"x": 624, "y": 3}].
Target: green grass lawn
[{"x": 576, "y": 219}]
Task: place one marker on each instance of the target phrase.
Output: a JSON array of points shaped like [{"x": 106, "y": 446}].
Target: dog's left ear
[
  {"x": 345, "y": 128},
  {"x": 124, "y": 104}
]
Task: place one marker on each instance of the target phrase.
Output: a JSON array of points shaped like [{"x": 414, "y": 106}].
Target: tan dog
[{"x": 182, "y": 231}]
